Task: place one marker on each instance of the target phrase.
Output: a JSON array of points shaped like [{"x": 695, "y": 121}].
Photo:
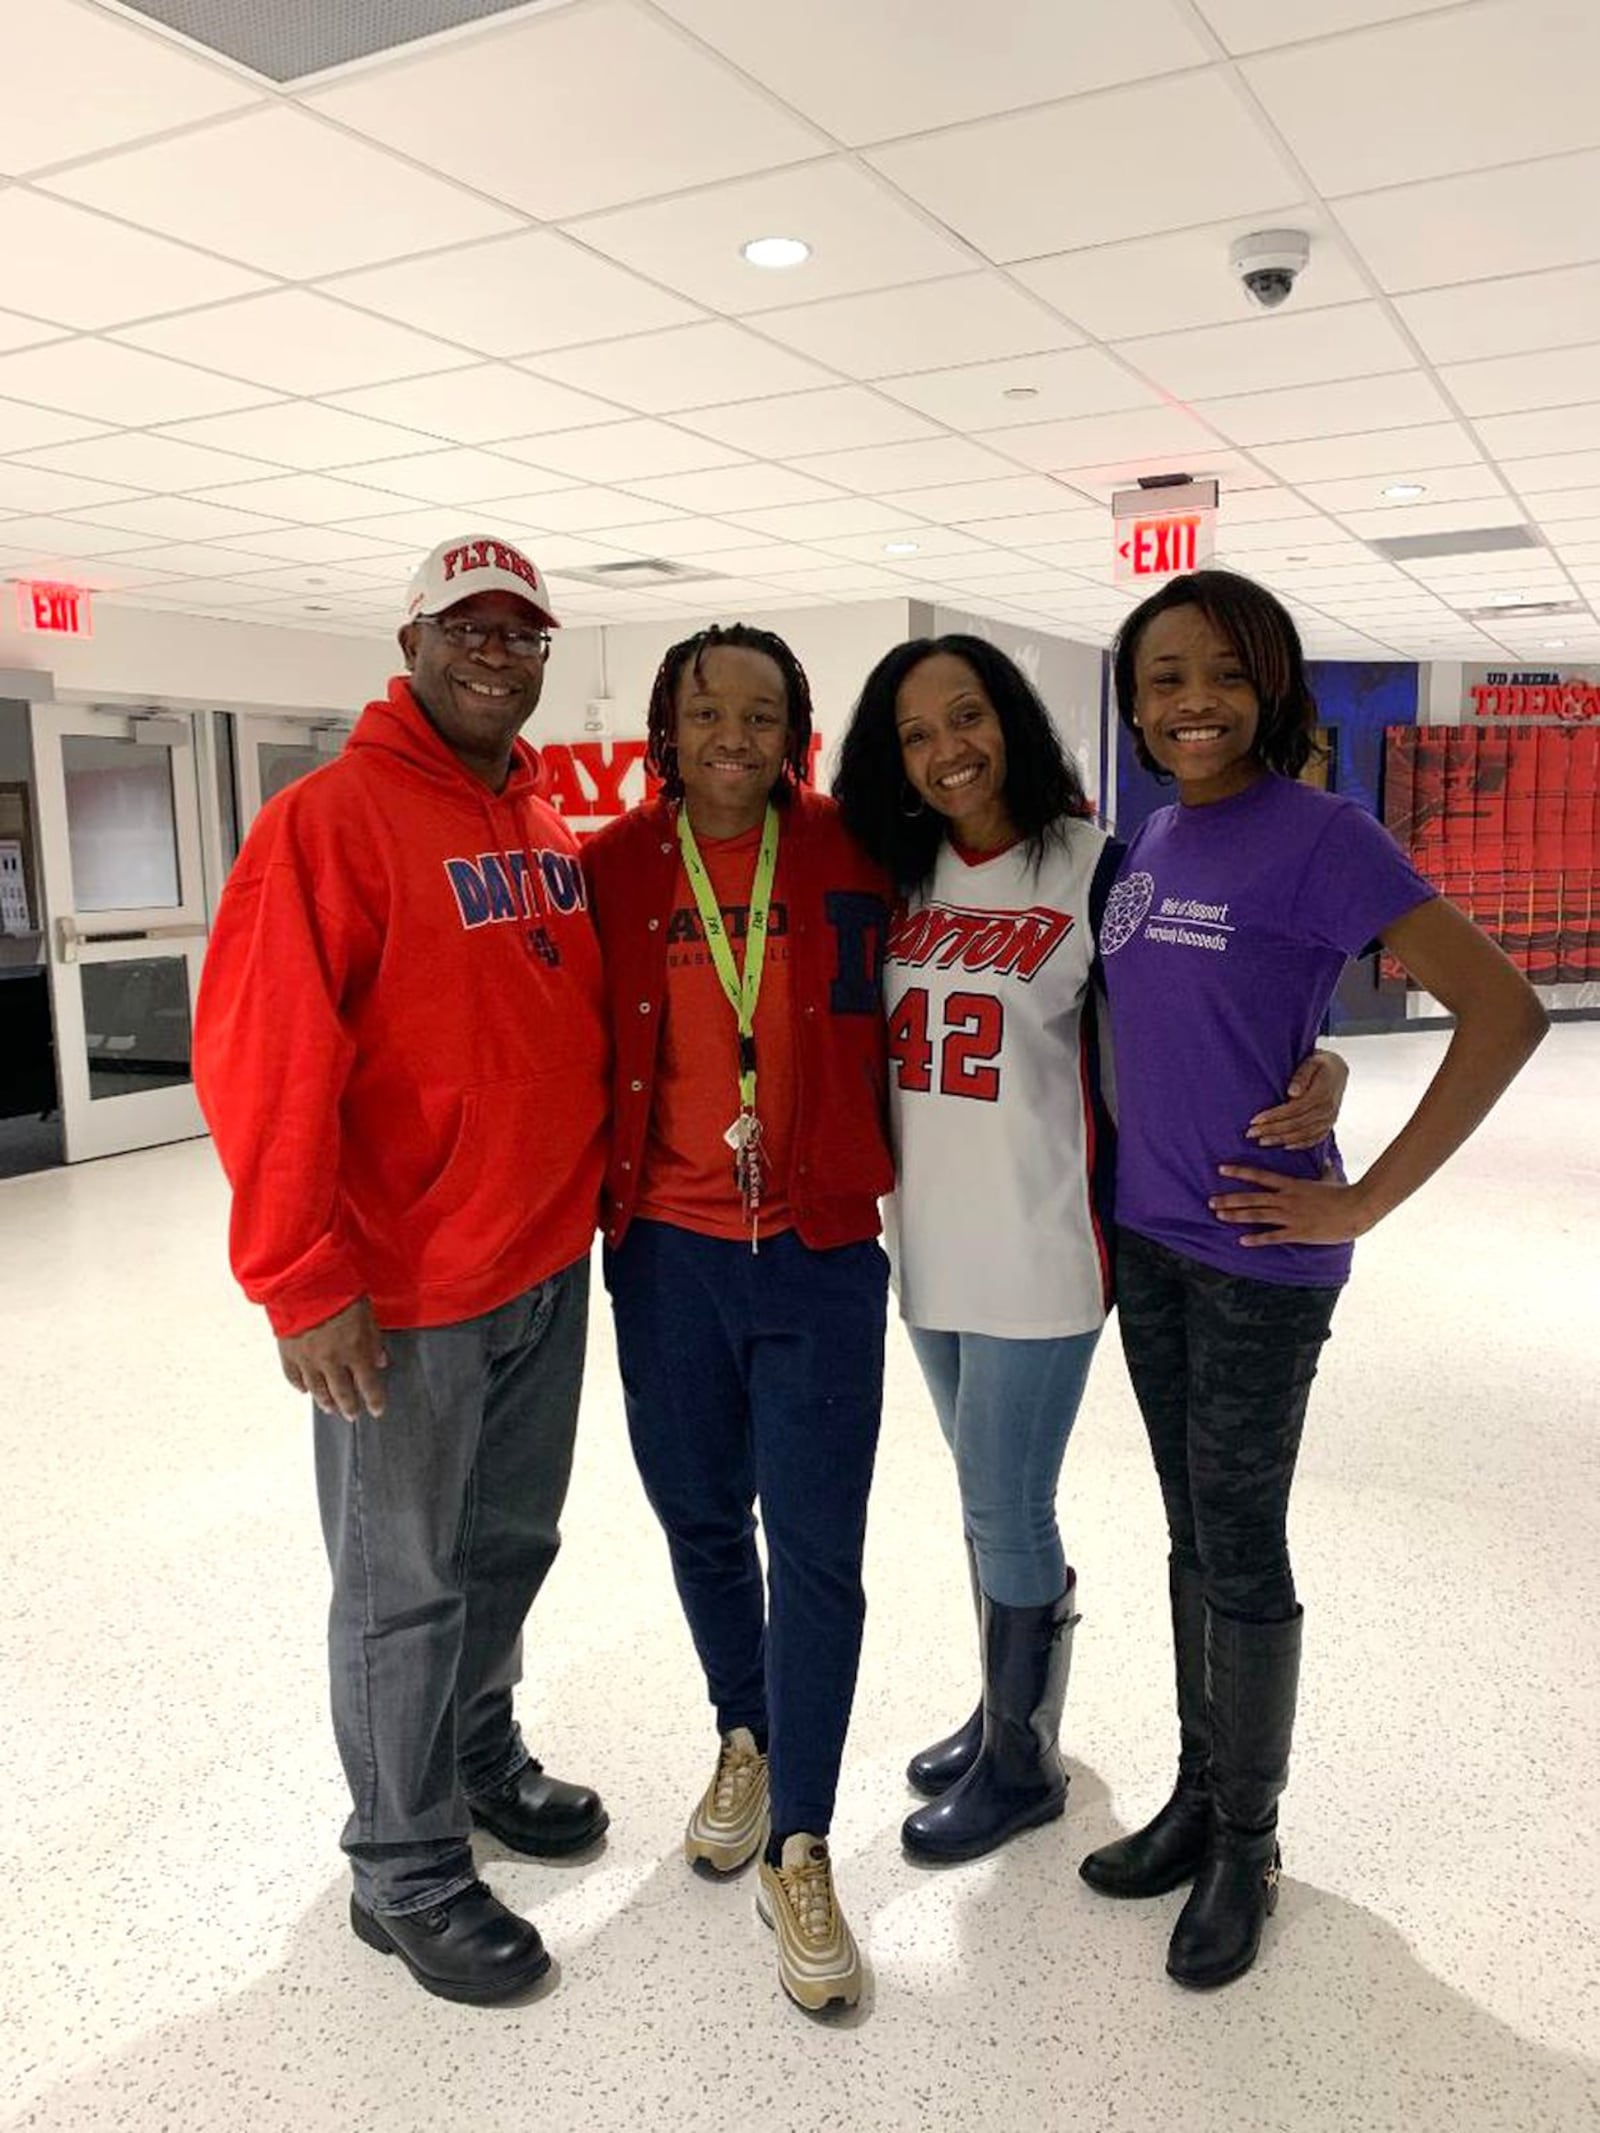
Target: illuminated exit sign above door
[
  {"x": 1159, "y": 533},
  {"x": 58, "y": 610}
]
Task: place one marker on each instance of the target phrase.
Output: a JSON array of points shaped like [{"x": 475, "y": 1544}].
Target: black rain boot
[
  {"x": 1017, "y": 1780},
  {"x": 1169, "y": 1849},
  {"x": 934, "y": 1770},
  {"x": 1252, "y": 1674}
]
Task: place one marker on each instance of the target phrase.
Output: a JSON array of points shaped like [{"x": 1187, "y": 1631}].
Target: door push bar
[{"x": 71, "y": 938}]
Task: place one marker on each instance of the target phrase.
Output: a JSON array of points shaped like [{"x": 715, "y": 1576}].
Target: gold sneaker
[
  {"x": 819, "y": 1965},
  {"x": 729, "y": 1826}
]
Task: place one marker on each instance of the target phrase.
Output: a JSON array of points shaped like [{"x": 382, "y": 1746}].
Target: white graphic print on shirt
[{"x": 992, "y": 1228}]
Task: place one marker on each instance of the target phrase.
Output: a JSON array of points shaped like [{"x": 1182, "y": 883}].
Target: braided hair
[{"x": 661, "y": 754}]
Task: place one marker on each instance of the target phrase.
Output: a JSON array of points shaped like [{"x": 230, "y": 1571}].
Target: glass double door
[{"x": 124, "y": 890}]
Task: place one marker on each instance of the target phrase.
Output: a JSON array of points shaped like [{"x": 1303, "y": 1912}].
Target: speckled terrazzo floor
[{"x": 175, "y": 1954}]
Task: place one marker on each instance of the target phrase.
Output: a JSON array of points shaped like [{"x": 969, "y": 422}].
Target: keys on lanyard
[{"x": 749, "y": 1167}]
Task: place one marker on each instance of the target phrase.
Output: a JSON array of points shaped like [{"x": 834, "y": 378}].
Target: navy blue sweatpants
[{"x": 759, "y": 1375}]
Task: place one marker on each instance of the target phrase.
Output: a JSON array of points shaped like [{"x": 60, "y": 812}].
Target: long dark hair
[
  {"x": 661, "y": 755},
  {"x": 1262, "y": 633},
  {"x": 1042, "y": 781}
]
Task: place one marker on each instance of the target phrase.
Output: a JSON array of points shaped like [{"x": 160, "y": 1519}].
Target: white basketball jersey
[{"x": 992, "y": 1228}]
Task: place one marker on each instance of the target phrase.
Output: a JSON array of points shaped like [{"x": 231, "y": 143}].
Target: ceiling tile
[
  {"x": 837, "y": 578},
  {"x": 1472, "y": 228},
  {"x": 673, "y": 115},
  {"x": 846, "y": 66},
  {"x": 1255, "y": 507},
  {"x": 78, "y": 81},
  {"x": 325, "y": 578},
  {"x": 1054, "y": 447},
  {"x": 63, "y": 262},
  {"x": 176, "y": 518},
  {"x": 961, "y": 503},
  {"x": 685, "y": 536},
  {"x": 188, "y": 559},
  {"x": 1309, "y": 534},
  {"x": 307, "y": 499},
  {"x": 971, "y": 318},
  {"x": 1556, "y": 470},
  {"x": 1100, "y": 482},
  {"x": 19, "y": 332},
  {"x": 32, "y": 489},
  {"x": 424, "y": 526},
  {"x": 1038, "y": 529},
  {"x": 930, "y": 540},
  {"x": 1399, "y": 400},
  {"x": 984, "y": 180},
  {"x": 828, "y": 521},
  {"x": 318, "y": 544},
  {"x": 280, "y": 190},
  {"x": 838, "y": 419},
  {"x": 297, "y": 342},
  {"x": 1556, "y": 309},
  {"x": 590, "y": 510},
  {"x": 1553, "y": 508},
  {"x": 118, "y": 385},
  {"x": 64, "y": 537},
  {"x": 526, "y": 293},
  {"x": 479, "y": 405},
  {"x": 459, "y": 475},
  {"x": 1159, "y": 284},
  {"x": 1309, "y": 348},
  {"x": 621, "y": 451},
  {"x": 756, "y": 559},
  {"x": 298, "y": 434},
  {"x": 139, "y": 460},
  {"x": 1544, "y": 430},
  {"x": 25, "y": 429},
  {"x": 1394, "y": 454},
  {"x": 861, "y": 238},
  {"x": 1364, "y": 492},
  {"x": 933, "y": 463},
  {"x": 1511, "y": 384},
  {"x": 1365, "y": 110},
  {"x": 690, "y": 366},
  {"x": 735, "y": 489},
  {"x": 1385, "y": 524},
  {"x": 1076, "y": 381}
]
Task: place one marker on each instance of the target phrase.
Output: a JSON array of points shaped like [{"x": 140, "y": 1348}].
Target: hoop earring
[{"x": 911, "y": 813}]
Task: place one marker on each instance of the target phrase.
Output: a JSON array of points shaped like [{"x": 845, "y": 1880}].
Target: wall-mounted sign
[
  {"x": 1159, "y": 533},
  {"x": 59, "y": 610},
  {"x": 1493, "y": 695}
]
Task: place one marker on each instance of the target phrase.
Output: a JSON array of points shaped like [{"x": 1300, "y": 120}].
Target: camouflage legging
[{"x": 1222, "y": 1369}]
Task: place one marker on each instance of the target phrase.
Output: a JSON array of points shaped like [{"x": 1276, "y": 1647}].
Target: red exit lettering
[
  {"x": 1162, "y": 547},
  {"x": 59, "y": 610}
]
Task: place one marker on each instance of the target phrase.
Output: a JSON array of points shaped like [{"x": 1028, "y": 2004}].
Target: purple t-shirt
[{"x": 1223, "y": 939}]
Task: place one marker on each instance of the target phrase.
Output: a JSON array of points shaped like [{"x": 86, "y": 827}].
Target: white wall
[{"x": 144, "y": 656}]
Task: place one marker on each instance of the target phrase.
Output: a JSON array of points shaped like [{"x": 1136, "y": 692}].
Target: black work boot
[
  {"x": 1252, "y": 1674},
  {"x": 1169, "y": 1849},
  {"x": 934, "y": 1770},
  {"x": 541, "y": 1815},
  {"x": 1017, "y": 1780},
  {"x": 470, "y": 1947}
]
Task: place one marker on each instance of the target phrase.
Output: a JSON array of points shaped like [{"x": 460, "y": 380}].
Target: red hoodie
[{"x": 400, "y": 1042}]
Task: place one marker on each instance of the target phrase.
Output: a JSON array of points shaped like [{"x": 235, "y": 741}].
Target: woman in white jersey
[{"x": 952, "y": 776}]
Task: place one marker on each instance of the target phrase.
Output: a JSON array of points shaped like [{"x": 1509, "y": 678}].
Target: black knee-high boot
[
  {"x": 934, "y": 1770},
  {"x": 1252, "y": 1677},
  {"x": 1017, "y": 1780},
  {"x": 1169, "y": 1849}
]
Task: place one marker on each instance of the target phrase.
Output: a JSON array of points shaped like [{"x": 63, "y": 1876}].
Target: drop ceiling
[{"x": 267, "y": 334}]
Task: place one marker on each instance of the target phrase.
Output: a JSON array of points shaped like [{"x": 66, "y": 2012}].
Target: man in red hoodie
[{"x": 400, "y": 1046}]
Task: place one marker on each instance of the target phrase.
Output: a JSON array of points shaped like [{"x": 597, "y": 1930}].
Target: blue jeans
[
  {"x": 760, "y": 1374},
  {"x": 1007, "y": 1408},
  {"x": 441, "y": 1520}
]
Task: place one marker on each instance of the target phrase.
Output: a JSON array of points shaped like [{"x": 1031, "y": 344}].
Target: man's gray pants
[{"x": 441, "y": 1520}]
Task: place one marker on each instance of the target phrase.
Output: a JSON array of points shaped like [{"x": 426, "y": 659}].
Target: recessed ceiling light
[
  {"x": 777, "y": 252},
  {"x": 1020, "y": 392},
  {"x": 1297, "y": 559},
  {"x": 1555, "y": 644},
  {"x": 900, "y": 547},
  {"x": 1405, "y": 492}
]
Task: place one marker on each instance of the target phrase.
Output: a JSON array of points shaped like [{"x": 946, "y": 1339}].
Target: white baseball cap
[{"x": 476, "y": 563}]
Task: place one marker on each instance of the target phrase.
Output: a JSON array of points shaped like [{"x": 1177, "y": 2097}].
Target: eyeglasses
[{"x": 473, "y": 636}]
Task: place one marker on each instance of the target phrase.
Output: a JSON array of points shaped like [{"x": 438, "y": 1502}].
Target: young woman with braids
[
  {"x": 743, "y": 935},
  {"x": 1231, "y": 920},
  {"x": 953, "y": 778}
]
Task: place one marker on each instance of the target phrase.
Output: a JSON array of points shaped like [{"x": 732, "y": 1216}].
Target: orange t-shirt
[{"x": 688, "y": 1166}]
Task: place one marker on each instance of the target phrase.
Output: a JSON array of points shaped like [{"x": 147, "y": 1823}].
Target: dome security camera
[{"x": 1269, "y": 263}]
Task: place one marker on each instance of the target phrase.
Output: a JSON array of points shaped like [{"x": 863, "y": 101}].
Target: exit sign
[
  {"x": 58, "y": 610},
  {"x": 1159, "y": 533}
]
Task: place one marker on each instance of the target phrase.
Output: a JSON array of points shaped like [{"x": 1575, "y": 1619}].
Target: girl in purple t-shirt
[{"x": 1233, "y": 914}]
